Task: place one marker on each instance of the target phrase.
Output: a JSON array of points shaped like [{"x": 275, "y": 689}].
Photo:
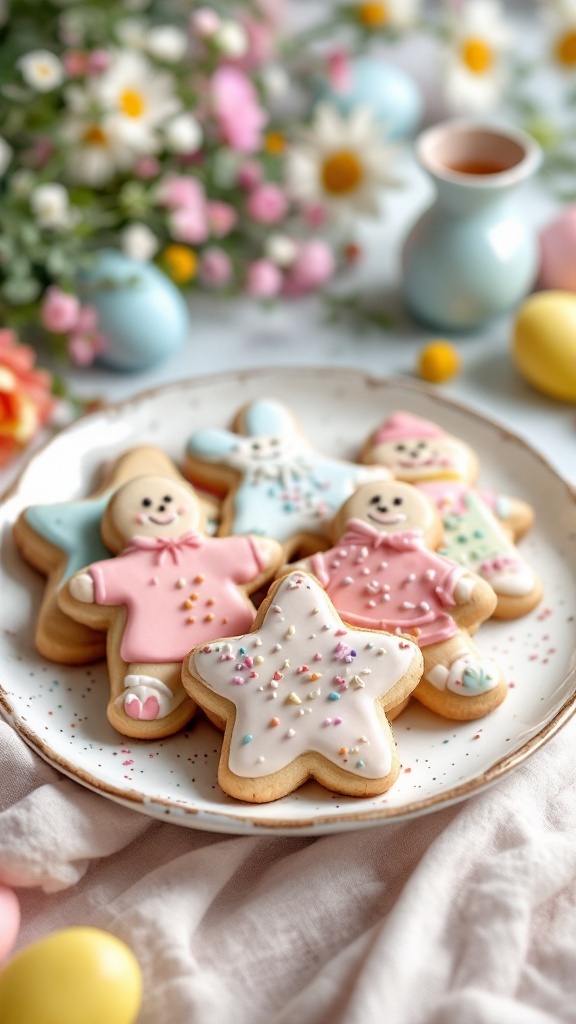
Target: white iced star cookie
[{"x": 303, "y": 696}]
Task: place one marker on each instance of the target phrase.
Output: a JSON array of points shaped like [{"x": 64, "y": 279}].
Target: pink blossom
[
  {"x": 98, "y": 61},
  {"x": 176, "y": 190},
  {"x": 59, "y": 311},
  {"x": 313, "y": 266},
  {"x": 147, "y": 167},
  {"x": 249, "y": 175},
  {"x": 261, "y": 45},
  {"x": 75, "y": 63},
  {"x": 339, "y": 70},
  {"x": 189, "y": 224},
  {"x": 267, "y": 204},
  {"x": 87, "y": 320},
  {"x": 238, "y": 113},
  {"x": 315, "y": 215},
  {"x": 264, "y": 279},
  {"x": 205, "y": 22},
  {"x": 222, "y": 218},
  {"x": 84, "y": 348},
  {"x": 215, "y": 267}
]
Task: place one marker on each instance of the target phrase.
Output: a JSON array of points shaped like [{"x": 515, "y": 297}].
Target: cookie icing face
[
  {"x": 305, "y": 682},
  {"x": 414, "y": 448},
  {"x": 270, "y": 457},
  {"x": 418, "y": 458},
  {"x": 389, "y": 507},
  {"x": 153, "y": 506}
]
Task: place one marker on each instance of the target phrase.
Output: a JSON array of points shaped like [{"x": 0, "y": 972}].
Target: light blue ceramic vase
[
  {"x": 473, "y": 255},
  {"x": 390, "y": 92}
]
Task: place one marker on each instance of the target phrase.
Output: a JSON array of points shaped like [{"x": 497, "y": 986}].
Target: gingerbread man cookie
[
  {"x": 277, "y": 484},
  {"x": 169, "y": 588},
  {"x": 480, "y": 527},
  {"x": 59, "y": 539},
  {"x": 383, "y": 573},
  {"x": 303, "y": 696}
]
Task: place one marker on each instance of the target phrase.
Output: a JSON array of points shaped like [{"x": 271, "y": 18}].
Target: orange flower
[
  {"x": 180, "y": 263},
  {"x": 26, "y": 402}
]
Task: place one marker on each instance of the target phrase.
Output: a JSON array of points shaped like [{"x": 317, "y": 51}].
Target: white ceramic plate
[{"x": 61, "y": 711}]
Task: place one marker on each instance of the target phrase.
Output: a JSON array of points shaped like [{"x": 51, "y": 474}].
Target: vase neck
[{"x": 462, "y": 199}]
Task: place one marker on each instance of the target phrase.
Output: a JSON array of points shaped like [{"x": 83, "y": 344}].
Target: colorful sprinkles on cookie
[{"x": 305, "y": 683}]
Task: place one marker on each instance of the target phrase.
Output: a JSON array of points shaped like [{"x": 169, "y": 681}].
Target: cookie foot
[
  {"x": 508, "y": 576},
  {"x": 467, "y": 675},
  {"x": 146, "y": 698}
]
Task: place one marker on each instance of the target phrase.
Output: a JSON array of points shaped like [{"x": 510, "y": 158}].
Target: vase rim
[{"x": 482, "y": 154}]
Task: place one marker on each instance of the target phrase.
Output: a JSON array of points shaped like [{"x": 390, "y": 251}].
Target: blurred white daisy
[
  {"x": 139, "y": 242},
  {"x": 95, "y": 149},
  {"x": 340, "y": 162},
  {"x": 136, "y": 100},
  {"x": 42, "y": 70},
  {"x": 560, "y": 18},
  {"x": 50, "y": 206},
  {"x": 479, "y": 38}
]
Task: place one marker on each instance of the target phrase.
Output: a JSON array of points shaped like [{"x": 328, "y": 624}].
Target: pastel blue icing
[
  {"x": 74, "y": 528},
  {"x": 268, "y": 417},
  {"x": 211, "y": 443}
]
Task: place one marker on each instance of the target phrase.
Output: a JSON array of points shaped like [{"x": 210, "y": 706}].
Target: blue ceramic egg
[
  {"x": 388, "y": 90},
  {"x": 141, "y": 311}
]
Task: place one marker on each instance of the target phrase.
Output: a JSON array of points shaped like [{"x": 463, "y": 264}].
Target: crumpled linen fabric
[{"x": 464, "y": 915}]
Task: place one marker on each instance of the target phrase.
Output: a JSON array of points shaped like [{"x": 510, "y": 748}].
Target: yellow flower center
[
  {"x": 94, "y": 136},
  {"x": 132, "y": 103},
  {"x": 477, "y": 55},
  {"x": 180, "y": 262},
  {"x": 274, "y": 143},
  {"x": 44, "y": 70},
  {"x": 342, "y": 172},
  {"x": 566, "y": 49},
  {"x": 373, "y": 15}
]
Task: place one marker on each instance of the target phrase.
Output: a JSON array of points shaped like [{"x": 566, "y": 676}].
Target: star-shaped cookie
[
  {"x": 303, "y": 695},
  {"x": 277, "y": 483}
]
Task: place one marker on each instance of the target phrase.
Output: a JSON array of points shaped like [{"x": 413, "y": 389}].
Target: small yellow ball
[{"x": 438, "y": 361}]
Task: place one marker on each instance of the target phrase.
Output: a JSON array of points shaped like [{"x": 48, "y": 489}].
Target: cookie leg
[
  {"x": 148, "y": 706},
  {"x": 458, "y": 682},
  {"x": 515, "y": 584}
]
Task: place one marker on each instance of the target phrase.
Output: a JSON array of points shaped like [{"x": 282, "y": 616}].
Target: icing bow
[
  {"x": 362, "y": 534},
  {"x": 174, "y": 546}
]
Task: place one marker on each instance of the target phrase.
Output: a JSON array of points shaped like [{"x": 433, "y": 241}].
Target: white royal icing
[{"x": 313, "y": 688}]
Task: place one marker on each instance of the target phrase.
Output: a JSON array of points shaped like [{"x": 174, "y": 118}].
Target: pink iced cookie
[
  {"x": 480, "y": 526},
  {"x": 383, "y": 573},
  {"x": 170, "y": 587}
]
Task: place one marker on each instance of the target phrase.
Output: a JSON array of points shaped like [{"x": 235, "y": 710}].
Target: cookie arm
[{"x": 81, "y": 588}]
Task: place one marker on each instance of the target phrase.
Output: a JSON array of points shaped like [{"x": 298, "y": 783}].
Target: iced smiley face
[
  {"x": 274, "y": 456},
  {"x": 151, "y": 506},
  {"x": 420, "y": 458},
  {"x": 417, "y": 449},
  {"x": 390, "y": 507}
]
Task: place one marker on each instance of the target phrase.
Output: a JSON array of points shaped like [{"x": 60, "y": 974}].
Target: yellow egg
[
  {"x": 74, "y": 976},
  {"x": 544, "y": 343}
]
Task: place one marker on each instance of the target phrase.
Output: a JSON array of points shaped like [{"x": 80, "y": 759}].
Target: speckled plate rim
[{"x": 219, "y": 820}]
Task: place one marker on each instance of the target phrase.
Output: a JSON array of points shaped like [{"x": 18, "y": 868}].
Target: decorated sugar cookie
[
  {"x": 382, "y": 573},
  {"x": 278, "y": 484},
  {"x": 169, "y": 588},
  {"x": 303, "y": 696},
  {"x": 480, "y": 527},
  {"x": 59, "y": 539}
]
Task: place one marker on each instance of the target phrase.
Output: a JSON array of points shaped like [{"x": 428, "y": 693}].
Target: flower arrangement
[{"x": 196, "y": 138}]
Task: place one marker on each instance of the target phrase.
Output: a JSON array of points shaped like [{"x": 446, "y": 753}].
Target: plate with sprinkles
[{"x": 60, "y": 710}]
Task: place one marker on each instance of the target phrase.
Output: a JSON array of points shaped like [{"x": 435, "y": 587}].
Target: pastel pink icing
[
  {"x": 390, "y": 581},
  {"x": 305, "y": 682},
  {"x": 155, "y": 579}
]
